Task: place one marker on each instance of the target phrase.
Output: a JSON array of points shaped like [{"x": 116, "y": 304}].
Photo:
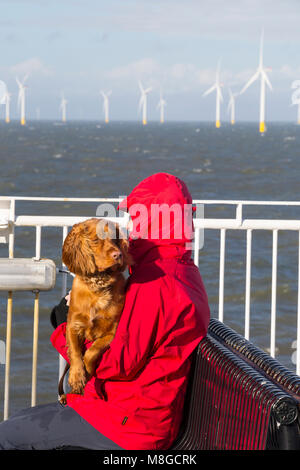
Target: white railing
[{"x": 9, "y": 223}]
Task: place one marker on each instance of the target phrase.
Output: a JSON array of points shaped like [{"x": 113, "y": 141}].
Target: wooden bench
[{"x": 238, "y": 398}]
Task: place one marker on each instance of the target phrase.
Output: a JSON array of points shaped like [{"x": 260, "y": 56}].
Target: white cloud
[
  {"x": 137, "y": 70},
  {"x": 287, "y": 71},
  {"x": 32, "y": 66}
]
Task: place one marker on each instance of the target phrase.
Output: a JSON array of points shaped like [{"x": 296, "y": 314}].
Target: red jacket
[{"x": 165, "y": 316}]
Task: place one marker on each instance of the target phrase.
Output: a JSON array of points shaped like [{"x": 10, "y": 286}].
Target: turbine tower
[
  {"x": 106, "y": 105},
  {"x": 231, "y": 106},
  {"x": 63, "y": 107},
  {"x": 298, "y": 113},
  {"x": 260, "y": 73},
  {"x": 217, "y": 86},
  {"x": 143, "y": 102},
  {"x": 7, "y": 106},
  {"x": 21, "y": 98},
  {"x": 161, "y": 105}
]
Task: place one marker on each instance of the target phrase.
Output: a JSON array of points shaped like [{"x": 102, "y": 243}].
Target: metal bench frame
[{"x": 238, "y": 398}]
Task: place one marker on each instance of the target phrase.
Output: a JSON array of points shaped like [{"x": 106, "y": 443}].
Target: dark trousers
[{"x": 51, "y": 426}]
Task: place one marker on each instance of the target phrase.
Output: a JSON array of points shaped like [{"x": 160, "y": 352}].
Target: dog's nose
[{"x": 116, "y": 255}]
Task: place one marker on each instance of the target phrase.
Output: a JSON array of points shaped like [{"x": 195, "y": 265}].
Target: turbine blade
[
  {"x": 261, "y": 49},
  {"x": 252, "y": 80},
  {"x": 141, "y": 87},
  {"x": 218, "y": 71},
  {"x": 267, "y": 80},
  {"x": 19, "y": 97},
  {"x": 219, "y": 91},
  {"x": 211, "y": 89}
]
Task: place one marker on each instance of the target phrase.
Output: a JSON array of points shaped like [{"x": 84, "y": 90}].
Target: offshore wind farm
[{"x": 146, "y": 93}]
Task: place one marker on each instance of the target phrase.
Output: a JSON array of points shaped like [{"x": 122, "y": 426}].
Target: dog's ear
[
  {"x": 77, "y": 254},
  {"x": 124, "y": 246}
]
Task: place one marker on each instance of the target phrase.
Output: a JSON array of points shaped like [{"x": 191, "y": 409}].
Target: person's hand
[{"x": 68, "y": 298}]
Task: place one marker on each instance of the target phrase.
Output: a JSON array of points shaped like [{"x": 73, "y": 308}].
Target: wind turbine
[
  {"x": 161, "y": 105},
  {"x": 260, "y": 73},
  {"x": 217, "y": 86},
  {"x": 143, "y": 102},
  {"x": 296, "y": 98},
  {"x": 5, "y": 99},
  {"x": 106, "y": 105},
  {"x": 21, "y": 98},
  {"x": 63, "y": 107},
  {"x": 231, "y": 105}
]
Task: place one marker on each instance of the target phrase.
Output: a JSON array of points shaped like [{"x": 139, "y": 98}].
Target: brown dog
[{"x": 97, "y": 254}]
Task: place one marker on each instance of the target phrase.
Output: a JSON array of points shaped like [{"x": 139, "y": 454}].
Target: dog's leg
[
  {"x": 77, "y": 376},
  {"x": 94, "y": 352},
  {"x": 61, "y": 393}
]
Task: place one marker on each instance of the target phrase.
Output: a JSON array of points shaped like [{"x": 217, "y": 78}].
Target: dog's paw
[
  {"x": 77, "y": 380},
  {"x": 63, "y": 399}
]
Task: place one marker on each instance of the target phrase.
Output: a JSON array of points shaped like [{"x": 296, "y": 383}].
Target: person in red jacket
[{"x": 144, "y": 372}]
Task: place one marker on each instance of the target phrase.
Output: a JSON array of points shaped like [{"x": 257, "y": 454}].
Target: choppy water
[{"x": 86, "y": 159}]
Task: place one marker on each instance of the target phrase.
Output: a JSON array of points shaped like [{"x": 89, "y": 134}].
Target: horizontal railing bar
[
  {"x": 57, "y": 221},
  {"x": 259, "y": 224},
  {"x": 117, "y": 199},
  {"x": 60, "y": 199},
  {"x": 246, "y": 203}
]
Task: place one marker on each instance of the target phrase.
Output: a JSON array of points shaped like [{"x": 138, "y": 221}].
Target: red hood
[{"x": 154, "y": 202}]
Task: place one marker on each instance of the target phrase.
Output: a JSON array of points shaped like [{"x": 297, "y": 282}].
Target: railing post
[
  {"x": 273, "y": 293},
  {"x": 11, "y": 240},
  {"x": 35, "y": 322},
  {"x": 7, "y": 356},
  {"x": 239, "y": 213},
  {"x": 196, "y": 246},
  {"x": 221, "y": 276},
  {"x": 298, "y": 314},
  {"x": 62, "y": 361},
  {"x": 248, "y": 284},
  {"x": 35, "y": 348}
]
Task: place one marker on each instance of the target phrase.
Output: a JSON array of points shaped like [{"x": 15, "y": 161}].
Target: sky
[{"x": 80, "y": 47}]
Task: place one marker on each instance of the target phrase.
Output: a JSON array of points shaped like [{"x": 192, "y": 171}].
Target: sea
[{"x": 93, "y": 160}]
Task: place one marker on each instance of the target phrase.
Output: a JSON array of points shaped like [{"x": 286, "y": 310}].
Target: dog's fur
[{"x": 97, "y": 254}]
